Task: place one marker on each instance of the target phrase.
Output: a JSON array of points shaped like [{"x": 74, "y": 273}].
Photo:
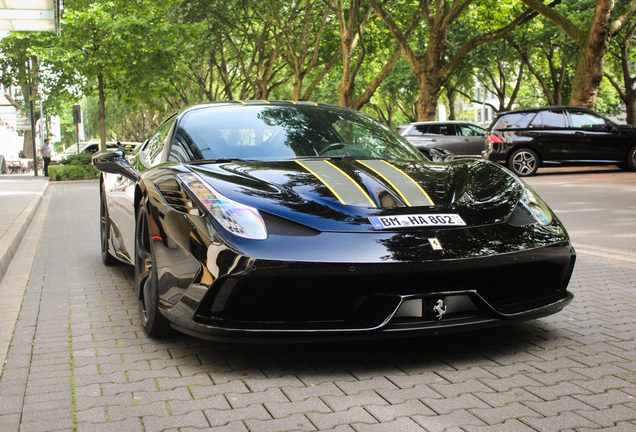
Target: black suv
[{"x": 526, "y": 139}]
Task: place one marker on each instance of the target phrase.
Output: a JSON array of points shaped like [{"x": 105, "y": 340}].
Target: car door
[
  {"x": 121, "y": 192},
  {"x": 436, "y": 135},
  {"x": 551, "y": 136},
  {"x": 474, "y": 139},
  {"x": 602, "y": 142}
]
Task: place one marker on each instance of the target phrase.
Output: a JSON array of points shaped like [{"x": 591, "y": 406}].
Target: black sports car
[{"x": 260, "y": 221}]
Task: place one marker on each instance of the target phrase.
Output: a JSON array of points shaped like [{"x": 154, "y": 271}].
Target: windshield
[{"x": 281, "y": 132}]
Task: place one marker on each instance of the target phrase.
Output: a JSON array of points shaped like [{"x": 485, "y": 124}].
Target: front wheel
[
  {"x": 630, "y": 162},
  {"x": 146, "y": 280},
  {"x": 104, "y": 230},
  {"x": 523, "y": 162}
]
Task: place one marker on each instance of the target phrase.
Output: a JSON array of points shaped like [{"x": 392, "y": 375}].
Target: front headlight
[
  {"x": 239, "y": 219},
  {"x": 535, "y": 207}
]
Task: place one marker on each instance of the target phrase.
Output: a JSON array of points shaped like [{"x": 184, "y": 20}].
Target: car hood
[{"x": 341, "y": 194}]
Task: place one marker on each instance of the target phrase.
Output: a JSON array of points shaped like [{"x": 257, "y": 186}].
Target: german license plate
[{"x": 417, "y": 220}]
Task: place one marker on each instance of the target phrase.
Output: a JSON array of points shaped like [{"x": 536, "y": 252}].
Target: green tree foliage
[
  {"x": 591, "y": 25},
  {"x": 620, "y": 71},
  {"x": 485, "y": 21},
  {"x": 133, "y": 62},
  {"x": 119, "y": 46}
]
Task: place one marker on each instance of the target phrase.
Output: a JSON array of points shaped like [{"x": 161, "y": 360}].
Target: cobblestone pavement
[{"x": 79, "y": 361}]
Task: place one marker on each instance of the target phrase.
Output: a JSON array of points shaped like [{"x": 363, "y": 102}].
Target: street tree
[
  {"x": 436, "y": 64},
  {"x": 20, "y": 67},
  {"x": 593, "y": 35},
  {"x": 620, "y": 71},
  {"x": 550, "y": 57},
  {"x": 119, "y": 45}
]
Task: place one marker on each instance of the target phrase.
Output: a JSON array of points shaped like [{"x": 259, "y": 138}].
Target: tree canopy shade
[
  {"x": 119, "y": 46},
  {"x": 622, "y": 54},
  {"x": 593, "y": 38},
  {"x": 20, "y": 67},
  {"x": 136, "y": 61},
  {"x": 436, "y": 64}
]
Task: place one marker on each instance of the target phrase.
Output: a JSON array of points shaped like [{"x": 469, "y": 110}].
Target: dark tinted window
[
  {"x": 586, "y": 120},
  {"x": 472, "y": 130},
  {"x": 441, "y": 129},
  {"x": 152, "y": 150},
  {"x": 514, "y": 120},
  {"x": 418, "y": 130},
  {"x": 281, "y": 132},
  {"x": 549, "y": 119}
]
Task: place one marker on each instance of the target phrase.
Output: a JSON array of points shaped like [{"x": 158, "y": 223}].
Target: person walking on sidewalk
[{"x": 45, "y": 150}]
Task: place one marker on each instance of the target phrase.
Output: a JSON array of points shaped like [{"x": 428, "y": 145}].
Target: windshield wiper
[{"x": 217, "y": 160}]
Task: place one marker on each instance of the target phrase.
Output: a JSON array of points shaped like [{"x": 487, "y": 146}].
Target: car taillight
[{"x": 494, "y": 139}]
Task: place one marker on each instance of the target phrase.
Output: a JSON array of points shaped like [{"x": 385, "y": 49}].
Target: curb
[
  {"x": 606, "y": 253},
  {"x": 11, "y": 240}
]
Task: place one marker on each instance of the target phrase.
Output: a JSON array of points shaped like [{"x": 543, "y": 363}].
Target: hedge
[{"x": 74, "y": 167}]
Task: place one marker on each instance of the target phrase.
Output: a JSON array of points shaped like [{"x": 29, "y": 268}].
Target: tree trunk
[
  {"x": 427, "y": 103},
  {"x": 102, "y": 111},
  {"x": 631, "y": 110},
  {"x": 588, "y": 77},
  {"x": 345, "y": 88},
  {"x": 27, "y": 144},
  {"x": 451, "y": 103}
]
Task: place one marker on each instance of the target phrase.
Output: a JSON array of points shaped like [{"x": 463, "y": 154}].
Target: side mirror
[
  {"x": 115, "y": 163},
  {"x": 441, "y": 155}
]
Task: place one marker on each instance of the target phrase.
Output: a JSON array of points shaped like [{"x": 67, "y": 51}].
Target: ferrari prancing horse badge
[{"x": 440, "y": 309}]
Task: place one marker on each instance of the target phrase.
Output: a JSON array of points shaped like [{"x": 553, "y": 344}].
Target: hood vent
[{"x": 277, "y": 225}]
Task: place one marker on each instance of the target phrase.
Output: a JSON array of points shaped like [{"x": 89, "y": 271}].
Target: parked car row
[
  {"x": 91, "y": 147},
  {"x": 526, "y": 139}
]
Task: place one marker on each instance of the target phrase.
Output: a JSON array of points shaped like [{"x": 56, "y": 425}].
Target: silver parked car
[{"x": 463, "y": 138}]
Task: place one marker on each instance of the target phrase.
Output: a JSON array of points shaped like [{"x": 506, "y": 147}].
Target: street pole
[
  {"x": 32, "y": 119},
  {"x": 42, "y": 120},
  {"x": 77, "y": 119}
]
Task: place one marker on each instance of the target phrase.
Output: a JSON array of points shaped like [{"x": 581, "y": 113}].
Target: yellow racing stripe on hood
[
  {"x": 407, "y": 188},
  {"x": 344, "y": 188}
]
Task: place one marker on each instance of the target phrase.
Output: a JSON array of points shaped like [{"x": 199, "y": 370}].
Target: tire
[
  {"x": 630, "y": 163},
  {"x": 523, "y": 162},
  {"x": 104, "y": 231},
  {"x": 152, "y": 320}
]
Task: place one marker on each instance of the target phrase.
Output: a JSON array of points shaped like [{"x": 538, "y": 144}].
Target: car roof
[
  {"x": 253, "y": 103},
  {"x": 444, "y": 122},
  {"x": 455, "y": 122},
  {"x": 547, "y": 108}
]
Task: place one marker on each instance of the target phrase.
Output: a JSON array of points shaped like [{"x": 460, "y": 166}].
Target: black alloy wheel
[
  {"x": 152, "y": 320},
  {"x": 523, "y": 162},
  {"x": 104, "y": 230}
]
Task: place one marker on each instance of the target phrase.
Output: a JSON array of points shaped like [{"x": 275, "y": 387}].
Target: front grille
[
  {"x": 513, "y": 288},
  {"x": 371, "y": 299},
  {"x": 291, "y": 300}
]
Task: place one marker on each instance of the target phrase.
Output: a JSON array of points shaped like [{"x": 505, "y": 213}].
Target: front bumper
[{"x": 298, "y": 301}]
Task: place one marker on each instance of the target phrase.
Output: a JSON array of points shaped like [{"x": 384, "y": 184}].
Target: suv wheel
[
  {"x": 631, "y": 159},
  {"x": 523, "y": 162}
]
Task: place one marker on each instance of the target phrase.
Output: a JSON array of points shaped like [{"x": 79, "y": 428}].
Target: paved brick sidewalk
[{"x": 79, "y": 361}]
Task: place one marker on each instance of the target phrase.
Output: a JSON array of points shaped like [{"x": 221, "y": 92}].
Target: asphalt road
[{"x": 596, "y": 204}]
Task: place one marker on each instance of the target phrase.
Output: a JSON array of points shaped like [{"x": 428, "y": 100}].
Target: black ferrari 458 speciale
[{"x": 268, "y": 221}]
